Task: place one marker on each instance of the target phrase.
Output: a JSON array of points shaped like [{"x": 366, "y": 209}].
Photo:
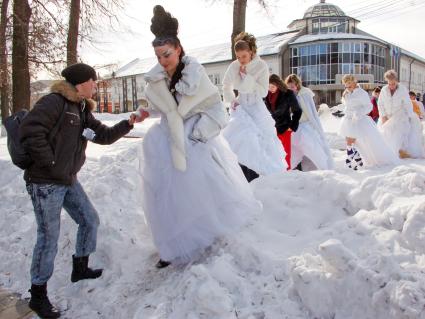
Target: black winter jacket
[
  {"x": 287, "y": 112},
  {"x": 60, "y": 161}
]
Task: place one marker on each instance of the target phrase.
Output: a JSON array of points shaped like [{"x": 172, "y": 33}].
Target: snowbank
[{"x": 329, "y": 244}]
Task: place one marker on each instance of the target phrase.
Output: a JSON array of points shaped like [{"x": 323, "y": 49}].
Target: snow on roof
[
  {"x": 266, "y": 45},
  {"x": 413, "y": 55},
  {"x": 137, "y": 66},
  {"x": 337, "y": 36}
]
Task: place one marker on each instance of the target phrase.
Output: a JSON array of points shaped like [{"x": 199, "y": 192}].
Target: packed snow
[{"x": 329, "y": 244}]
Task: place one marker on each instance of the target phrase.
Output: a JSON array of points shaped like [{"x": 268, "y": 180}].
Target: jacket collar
[
  {"x": 69, "y": 92},
  {"x": 189, "y": 82}
]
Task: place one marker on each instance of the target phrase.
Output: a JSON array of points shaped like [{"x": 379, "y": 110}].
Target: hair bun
[
  {"x": 163, "y": 23},
  {"x": 249, "y": 39}
]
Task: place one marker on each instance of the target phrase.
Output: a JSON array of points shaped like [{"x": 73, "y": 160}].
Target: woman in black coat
[{"x": 285, "y": 110}]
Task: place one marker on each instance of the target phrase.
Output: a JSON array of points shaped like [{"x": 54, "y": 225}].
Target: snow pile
[
  {"x": 372, "y": 265},
  {"x": 331, "y": 125},
  {"x": 329, "y": 244}
]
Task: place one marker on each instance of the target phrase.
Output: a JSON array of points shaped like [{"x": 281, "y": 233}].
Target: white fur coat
[
  {"x": 199, "y": 96},
  {"x": 256, "y": 80},
  {"x": 398, "y": 104}
]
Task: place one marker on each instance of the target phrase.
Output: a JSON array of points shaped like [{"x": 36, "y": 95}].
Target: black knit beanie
[{"x": 79, "y": 73}]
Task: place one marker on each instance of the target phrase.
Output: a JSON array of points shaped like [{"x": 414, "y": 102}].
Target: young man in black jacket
[{"x": 52, "y": 178}]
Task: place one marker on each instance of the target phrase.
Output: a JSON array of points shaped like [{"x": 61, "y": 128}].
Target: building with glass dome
[
  {"x": 321, "y": 47},
  {"x": 330, "y": 45}
]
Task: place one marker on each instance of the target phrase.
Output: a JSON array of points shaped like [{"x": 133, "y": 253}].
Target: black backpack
[{"x": 17, "y": 153}]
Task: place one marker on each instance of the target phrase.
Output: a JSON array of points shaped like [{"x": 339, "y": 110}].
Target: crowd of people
[{"x": 197, "y": 161}]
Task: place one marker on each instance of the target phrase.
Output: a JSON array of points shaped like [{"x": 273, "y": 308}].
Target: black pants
[{"x": 250, "y": 175}]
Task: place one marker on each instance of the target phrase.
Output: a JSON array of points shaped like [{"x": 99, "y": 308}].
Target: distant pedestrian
[
  {"x": 374, "y": 114},
  {"x": 365, "y": 144},
  {"x": 400, "y": 126},
  {"x": 310, "y": 148},
  {"x": 417, "y": 106}
]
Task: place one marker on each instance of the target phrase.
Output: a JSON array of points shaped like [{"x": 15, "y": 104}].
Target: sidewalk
[{"x": 11, "y": 307}]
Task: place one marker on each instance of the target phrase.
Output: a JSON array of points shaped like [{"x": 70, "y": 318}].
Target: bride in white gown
[
  {"x": 193, "y": 188},
  {"x": 365, "y": 144},
  {"x": 400, "y": 126},
  {"x": 251, "y": 132}
]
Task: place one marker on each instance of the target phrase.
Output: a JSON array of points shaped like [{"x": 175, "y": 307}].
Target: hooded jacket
[{"x": 60, "y": 161}]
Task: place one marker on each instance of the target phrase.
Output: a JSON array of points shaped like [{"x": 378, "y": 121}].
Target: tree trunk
[
  {"x": 4, "y": 77},
  {"x": 20, "y": 69},
  {"x": 74, "y": 24},
  {"x": 239, "y": 13}
]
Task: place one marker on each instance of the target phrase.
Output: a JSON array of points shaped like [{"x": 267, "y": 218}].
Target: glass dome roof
[{"x": 323, "y": 9}]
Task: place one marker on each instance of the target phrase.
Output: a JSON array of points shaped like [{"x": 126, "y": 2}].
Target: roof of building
[
  {"x": 323, "y": 9},
  {"x": 334, "y": 36},
  {"x": 266, "y": 45},
  {"x": 412, "y": 55}
]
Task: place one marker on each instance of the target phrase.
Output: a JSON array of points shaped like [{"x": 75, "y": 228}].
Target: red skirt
[{"x": 285, "y": 139}]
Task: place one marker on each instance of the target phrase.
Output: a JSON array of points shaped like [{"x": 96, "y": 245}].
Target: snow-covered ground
[{"x": 329, "y": 244}]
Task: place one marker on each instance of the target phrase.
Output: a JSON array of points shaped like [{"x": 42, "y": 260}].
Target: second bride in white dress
[
  {"x": 251, "y": 131},
  {"x": 365, "y": 144}
]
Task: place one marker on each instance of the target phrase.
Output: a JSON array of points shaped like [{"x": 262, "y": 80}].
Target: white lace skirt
[
  {"x": 251, "y": 134},
  {"x": 187, "y": 211}
]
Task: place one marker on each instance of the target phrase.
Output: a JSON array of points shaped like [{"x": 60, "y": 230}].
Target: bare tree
[
  {"x": 73, "y": 30},
  {"x": 4, "y": 74},
  {"x": 47, "y": 35},
  {"x": 239, "y": 17},
  {"x": 91, "y": 13},
  {"x": 239, "y": 14},
  {"x": 20, "y": 67}
]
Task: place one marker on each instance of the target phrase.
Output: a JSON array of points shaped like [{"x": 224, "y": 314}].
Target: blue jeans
[{"x": 48, "y": 200}]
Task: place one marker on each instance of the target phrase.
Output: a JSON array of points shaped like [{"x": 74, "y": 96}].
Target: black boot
[
  {"x": 80, "y": 269},
  {"x": 250, "y": 175},
  {"x": 40, "y": 304},
  {"x": 162, "y": 264}
]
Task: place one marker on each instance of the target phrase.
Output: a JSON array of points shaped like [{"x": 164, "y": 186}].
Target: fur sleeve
[
  {"x": 211, "y": 122},
  {"x": 256, "y": 81},
  {"x": 381, "y": 103},
  {"x": 228, "y": 85}
]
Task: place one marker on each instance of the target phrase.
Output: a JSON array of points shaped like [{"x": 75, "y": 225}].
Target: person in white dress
[
  {"x": 251, "y": 131},
  {"x": 400, "y": 126},
  {"x": 365, "y": 144},
  {"x": 193, "y": 188},
  {"x": 309, "y": 145}
]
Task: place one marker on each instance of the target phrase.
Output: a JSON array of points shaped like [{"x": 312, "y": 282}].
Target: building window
[
  {"x": 329, "y": 25},
  {"x": 319, "y": 63}
]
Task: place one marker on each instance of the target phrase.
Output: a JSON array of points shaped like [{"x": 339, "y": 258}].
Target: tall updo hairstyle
[
  {"x": 165, "y": 28},
  {"x": 245, "y": 41}
]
